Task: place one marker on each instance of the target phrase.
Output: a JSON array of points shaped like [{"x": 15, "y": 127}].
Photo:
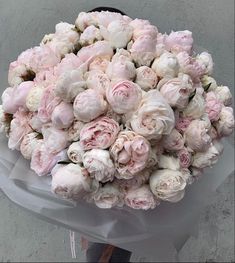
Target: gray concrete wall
[{"x": 22, "y": 25}]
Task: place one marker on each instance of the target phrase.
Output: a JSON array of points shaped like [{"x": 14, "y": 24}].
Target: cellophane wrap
[{"x": 157, "y": 233}]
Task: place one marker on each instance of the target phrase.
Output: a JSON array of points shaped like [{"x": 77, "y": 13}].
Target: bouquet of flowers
[{"x": 116, "y": 112}]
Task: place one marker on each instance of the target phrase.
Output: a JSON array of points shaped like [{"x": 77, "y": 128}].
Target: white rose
[
  {"x": 28, "y": 144},
  {"x": 208, "y": 158},
  {"x": 71, "y": 181},
  {"x": 166, "y": 65},
  {"x": 169, "y": 162},
  {"x": 118, "y": 33},
  {"x": 206, "y": 59},
  {"x": 225, "y": 124},
  {"x": 108, "y": 196},
  {"x": 99, "y": 164},
  {"x": 90, "y": 35},
  {"x": 169, "y": 185},
  {"x": 224, "y": 95},
  {"x": 154, "y": 116},
  {"x": 196, "y": 107},
  {"x": 141, "y": 198},
  {"x": 75, "y": 152},
  {"x": 34, "y": 97},
  {"x": 206, "y": 80}
]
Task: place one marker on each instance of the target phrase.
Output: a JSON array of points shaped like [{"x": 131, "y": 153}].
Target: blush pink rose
[
  {"x": 130, "y": 153},
  {"x": 174, "y": 141},
  {"x": 62, "y": 115},
  {"x": 89, "y": 105},
  {"x": 99, "y": 134},
  {"x": 19, "y": 127},
  {"x": 43, "y": 161},
  {"x": 182, "y": 123},
  {"x": 191, "y": 66},
  {"x": 180, "y": 41},
  {"x": 47, "y": 104},
  {"x": 141, "y": 198},
  {"x": 55, "y": 140},
  {"x": 13, "y": 98},
  {"x": 196, "y": 135},
  {"x": 185, "y": 158},
  {"x": 213, "y": 106},
  {"x": 124, "y": 96}
]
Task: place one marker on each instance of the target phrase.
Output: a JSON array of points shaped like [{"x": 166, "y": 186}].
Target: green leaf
[
  {"x": 64, "y": 162},
  {"x": 207, "y": 87}
]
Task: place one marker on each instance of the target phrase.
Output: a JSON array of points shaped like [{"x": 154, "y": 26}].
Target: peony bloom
[
  {"x": 85, "y": 20},
  {"x": 47, "y": 104},
  {"x": 206, "y": 60},
  {"x": 71, "y": 181},
  {"x": 62, "y": 115},
  {"x": 213, "y": 106},
  {"x": 98, "y": 81},
  {"x": 124, "y": 96},
  {"x": 196, "y": 107},
  {"x": 99, "y": 63},
  {"x": 191, "y": 66},
  {"x": 169, "y": 162},
  {"x": 88, "y": 105},
  {"x": 173, "y": 142},
  {"x": 55, "y": 140},
  {"x": 169, "y": 185},
  {"x": 14, "y": 98},
  {"x": 196, "y": 135},
  {"x": 209, "y": 157},
  {"x": 43, "y": 161},
  {"x": 130, "y": 153},
  {"x": 143, "y": 50},
  {"x": 182, "y": 123},
  {"x": 99, "y": 134},
  {"x": 90, "y": 35},
  {"x": 209, "y": 81},
  {"x": 154, "y": 116},
  {"x": 122, "y": 55},
  {"x": 180, "y": 41},
  {"x": 108, "y": 196},
  {"x": 141, "y": 198},
  {"x": 225, "y": 124},
  {"x": 166, "y": 65},
  {"x": 19, "y": 127},
  {"x": 70, "y": 84},
  {"x": 177, "y": 91},
  {"x": 185, "y": 158},
  {"x": 224, "y": 95},
  {"x": 74, "y": 130},
  {"x": 18, "y": 73},
  {"x": 146, "y": 30},
  {"x": 75, "y": 152},
  {"x": 121, "y": 70},
  {"x": 34, "y": 97},
  {"x": 28, "y": 144},
  {"x": 99, "y": 164},
  {"x": 146, "y": 78},
  {"x": 99, "y": 48},
  {"x": 35, "y": 123},
  {"x": 118, "y": 33}
]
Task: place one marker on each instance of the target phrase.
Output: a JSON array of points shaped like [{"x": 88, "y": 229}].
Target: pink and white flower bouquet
[{"x": 115, "y": 112}]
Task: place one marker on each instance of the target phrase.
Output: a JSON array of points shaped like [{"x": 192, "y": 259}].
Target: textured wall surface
[{"x": 23, "y": 23}]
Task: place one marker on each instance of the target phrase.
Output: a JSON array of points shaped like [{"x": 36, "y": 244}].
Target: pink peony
[
  {"x": 185, "y": 158},
  {"x": 173, "y": 142},
  {"x": 124, "y": 96},
  {"x": 130, "y": 152},
  {"x": 62, "y": 115},
  {"x": 180, "y": 41},
  {"x": 99, "y": 134},
  {"x": 225, "y": 125},
  {"x": 141, "y": 198},
  {"x": 89, "y": 105},
  {"x": 19, "y": 127},
  {"x": 146, "y": 78},
  {"x": 99, "y": 63},
  {"x": 98, "y": 81},
  {"x": 182, "y": 123},
  {"x": 213, "y": 106}
]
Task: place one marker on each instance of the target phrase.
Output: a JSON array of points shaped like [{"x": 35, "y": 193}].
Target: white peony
[
  {"x": 75, "y": 152},
  {"x": 34, "y": 97}
]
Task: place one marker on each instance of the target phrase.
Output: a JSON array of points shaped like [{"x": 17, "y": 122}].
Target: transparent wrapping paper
[{"x": 157, "y": 233}]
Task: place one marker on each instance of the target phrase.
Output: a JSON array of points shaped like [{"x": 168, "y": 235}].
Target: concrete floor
[{"x": 25, "y": 238}]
